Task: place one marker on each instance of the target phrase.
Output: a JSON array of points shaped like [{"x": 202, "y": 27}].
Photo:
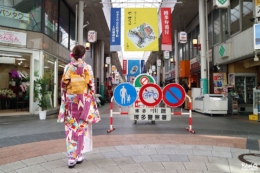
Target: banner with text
[
  {"x": 133, "y": 67},
  {"x": 166, "y": 22},
  {"x": 124, "y": 67},
  {"x": 115, "y": 29},
  {"x": 141, "y": 31}
]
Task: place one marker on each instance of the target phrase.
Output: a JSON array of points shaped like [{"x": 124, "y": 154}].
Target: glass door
[
  {"x": 240, "y": 88},
  {"x": 250, "y": 84}
]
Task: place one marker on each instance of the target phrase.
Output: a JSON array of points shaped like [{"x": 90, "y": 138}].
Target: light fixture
[
  {"x": 106, "y": 65},
  {"x": 172, "y": 60},
  {"x": 256, "y": 58},
  {"x": 195, "y": 43},
  {"x": 87, "y": 45},
  {"x": 61, "y": 66},
  {"x": 46, "y": 66},
  {"x": 20, "y": 59},
  {"x": 10, "y": 55},
  {"x": 50, "y": 62},
  {"x": 154, "y": 73}
]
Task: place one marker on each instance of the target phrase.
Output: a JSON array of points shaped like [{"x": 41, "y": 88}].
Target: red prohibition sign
[
  {"x": 146, "y": 94},
  {"x": 144, "y": 80},
  {"x": 173, "y": 95}
]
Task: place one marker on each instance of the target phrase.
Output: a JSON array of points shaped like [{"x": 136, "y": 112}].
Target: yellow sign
[
  {"x": 141, "y": 29},
  {"x": 257, "y": 2}
]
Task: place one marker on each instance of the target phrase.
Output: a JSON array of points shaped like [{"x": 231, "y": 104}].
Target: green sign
[
  {"x": 222, "y": 2},
  {"x": 221, "y": 50},
  {"x": 143, "y": 79}
]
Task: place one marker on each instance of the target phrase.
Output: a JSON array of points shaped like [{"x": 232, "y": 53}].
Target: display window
[{"x": 14, "y": 85}]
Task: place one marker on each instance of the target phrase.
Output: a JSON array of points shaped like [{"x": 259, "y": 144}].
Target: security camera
[
  {"x": 87, "y": 23},
  {"x": 218, "y": 67},
  {"x": 256, "y": 58},
  {"x": 252, "y": 19}
]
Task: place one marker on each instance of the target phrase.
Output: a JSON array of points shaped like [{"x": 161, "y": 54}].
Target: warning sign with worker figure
[{"x": 125, "y": 94}]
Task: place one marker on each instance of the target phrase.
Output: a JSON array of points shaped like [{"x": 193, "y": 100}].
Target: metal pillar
[
  {"x": 102, "y": 89},
  {"x": 80, "y": 22},
  {"x": 176, "y": 49},
  {"x": 158, "y": 68},
  {"x": 204, "y": 79},
  {"x": 207, "y": 44}
]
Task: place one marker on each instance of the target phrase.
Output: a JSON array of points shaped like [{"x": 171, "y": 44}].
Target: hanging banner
[
  {"x": 166, "y": 21},
  {"x": 141, "y": 31},
  {"x": 115, "y": 29},
  {"x": 133, "y": 67},
  {"x": 124, "y": 67},
  {"x": 142, "y": 66}
]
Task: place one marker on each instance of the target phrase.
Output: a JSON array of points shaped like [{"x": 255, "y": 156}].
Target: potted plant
[{"x": 41, "y": 93}]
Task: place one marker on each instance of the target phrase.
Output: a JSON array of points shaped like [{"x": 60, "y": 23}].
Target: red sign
[
  {"x": 125, "y": 67},
  {"x": 150, "y": 94},
  {"x": 166, "y": 29},
  {"x": 173, "y": 95},
  {"x": 144, "y": 80}
]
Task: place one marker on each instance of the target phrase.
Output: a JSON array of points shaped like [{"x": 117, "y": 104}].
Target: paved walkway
[{"x": 30, "y": 145}]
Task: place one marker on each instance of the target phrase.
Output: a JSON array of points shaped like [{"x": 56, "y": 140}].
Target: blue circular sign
[
  {"x": 125, "y": 94},
  {"x": 173, "y": 95}
]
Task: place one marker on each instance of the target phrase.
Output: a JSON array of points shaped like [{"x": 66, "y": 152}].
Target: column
[
  {"x": 97, "y": 66},
  {"x": 55, "y": 94},
  {"x": 203, "y": 71},
  {"x": 80, "y": 22},
  {"x": 102, "y": 65},
  {"x": 176, "y": 49}
]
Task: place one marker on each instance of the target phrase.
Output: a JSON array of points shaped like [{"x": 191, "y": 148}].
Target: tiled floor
[{"x": 30, "y": 145}]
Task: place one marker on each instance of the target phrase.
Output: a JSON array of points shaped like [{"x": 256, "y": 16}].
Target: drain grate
[{"x": 242, "y": 159}]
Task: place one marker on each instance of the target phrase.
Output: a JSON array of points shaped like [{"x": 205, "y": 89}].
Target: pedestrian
[
  {"x": 78, "y": 105},
  {"x": 186, "y": 88}
]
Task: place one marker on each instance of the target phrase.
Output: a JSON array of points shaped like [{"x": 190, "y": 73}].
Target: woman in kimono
[{"x": 78, "y": 106}]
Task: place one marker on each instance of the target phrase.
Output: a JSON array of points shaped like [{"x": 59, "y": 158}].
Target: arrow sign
[{"x": 173, "y": 95}]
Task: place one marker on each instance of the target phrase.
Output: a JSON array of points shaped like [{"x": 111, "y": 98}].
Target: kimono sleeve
[
  {"x": 91, "y": 80},
  {"x": 65, "y": 80}
]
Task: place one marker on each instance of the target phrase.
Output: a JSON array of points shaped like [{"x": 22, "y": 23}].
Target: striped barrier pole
[
  {"x": 190, "y": 116},
  {"x": 111, "y": 116}
]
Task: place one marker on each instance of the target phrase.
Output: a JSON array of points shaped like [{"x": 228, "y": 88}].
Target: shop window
[
  {"x": 195, "y": 50},
  {"x": 64, "y": 25},
  {"x": 224, "y": 25},
  {"x": 21, "y": 14},
  {"x": 247, "y": 14},
  {"x": 72, "y": 31},
  {"x": 234, "y": 16},
  {"x": 51, "y": 18},
  {"x": 60, "y": 73},
  {"x": 216, "y": 27},
  {"x": 49, "y": 63}
]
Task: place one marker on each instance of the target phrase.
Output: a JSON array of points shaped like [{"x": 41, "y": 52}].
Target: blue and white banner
[
  {"x": 134, "y": 67},
  {"x": 142, "y": 66},
  {"x": 115, "y": 29}
]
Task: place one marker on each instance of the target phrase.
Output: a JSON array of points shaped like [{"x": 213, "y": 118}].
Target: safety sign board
[
  {"x": 125, "y": 94},
  {"x": 173, "y": 95},
  {"x": 152, "y": 114},
  {"x": 143, "y": 79},
  {"x": 150, "y": 94}
]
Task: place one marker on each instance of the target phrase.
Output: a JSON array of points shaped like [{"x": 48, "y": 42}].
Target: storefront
[{"x": 20, "y": 66}]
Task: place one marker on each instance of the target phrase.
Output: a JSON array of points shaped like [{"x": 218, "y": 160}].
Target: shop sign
[
  {"x": 125, "y": 67},
  {"x": 153, "y": 68},
  {"x": 194, "y": 65},
  {"x": 166, "y": 54},
  {"x": 221, "y": 3},
  {"x": 159, "y": 63},
  {"x": 4, "y": 12},
  {"x": 92, "y": 36},
  {"x": 108, "y": 60},
  {"x": 224, "y": 50},
  {"x": 12, "y": 37},
  {"x": 257, "y": 36},
  {"x": 182, "y": 37}
]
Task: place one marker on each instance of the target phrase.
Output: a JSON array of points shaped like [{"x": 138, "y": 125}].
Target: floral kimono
[{"x": 78, "y": 105}]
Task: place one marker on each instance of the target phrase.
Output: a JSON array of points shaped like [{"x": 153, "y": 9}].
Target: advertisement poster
[
  {"x": 134, "y": 67},
  {"x": 257, "y": 36},
  {"x": 141, "y": 31},
  {"x": 115, "y": 29},
  {"x": 166, "y": 21},
  {"x": 220, "y": 83}
]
